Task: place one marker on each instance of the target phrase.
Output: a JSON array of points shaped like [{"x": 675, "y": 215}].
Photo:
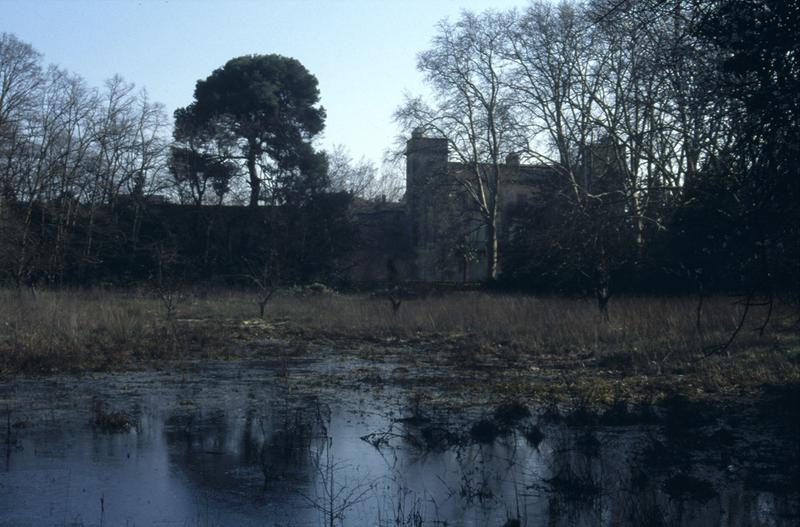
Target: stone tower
[{"x": 426, "y": 177}]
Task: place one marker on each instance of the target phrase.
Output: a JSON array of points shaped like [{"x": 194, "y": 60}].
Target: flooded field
[{"x": 328, "y": 439}]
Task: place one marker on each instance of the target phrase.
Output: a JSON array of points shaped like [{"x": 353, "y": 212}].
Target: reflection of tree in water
[
  {"x": 228, "y": 451},
  {"x": 602, "y": 476},
  {"x": 590, "y": 474},
  {"x": 573, "y": 480},
  {"x": 702, "y": 467},
  {"x": 288, "y": 448},
  {"x": 336, "y": 492},
  {"x": 691, "y": 469}
]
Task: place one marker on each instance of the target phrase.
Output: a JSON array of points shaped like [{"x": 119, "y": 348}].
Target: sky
[{"x": 362, "y": 52}]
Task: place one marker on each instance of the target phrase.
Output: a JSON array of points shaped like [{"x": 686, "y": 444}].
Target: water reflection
[{"x": 267, "y": 457}]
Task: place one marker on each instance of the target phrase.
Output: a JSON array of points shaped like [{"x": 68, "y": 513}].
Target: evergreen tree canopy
[{"x": 269, "y": 104}]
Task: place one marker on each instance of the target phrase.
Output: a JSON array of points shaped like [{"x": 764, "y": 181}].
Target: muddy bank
[{"x": 489, "y": 370}]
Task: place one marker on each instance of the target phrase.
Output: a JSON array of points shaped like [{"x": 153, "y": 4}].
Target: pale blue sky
[{"x": 362, "y": 52}]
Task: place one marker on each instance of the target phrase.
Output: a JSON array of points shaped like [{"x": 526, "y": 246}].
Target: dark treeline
[
  {"x": 173, "y": 245},
  {"x": 693, "y": 108}
]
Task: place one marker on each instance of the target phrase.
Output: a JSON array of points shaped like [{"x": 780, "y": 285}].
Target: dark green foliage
[
  {"x": 265, "y": 107},
  {"x": 193, "y": 244},
  {"x": 267, "y": 93},
  {"x": 760, "y": 174},
  {"x": 257, "y": 115},
  {"x": 738, "y": 226},
  {"x": 564, "y": 246},
  {"x": 200, "y": 173}
]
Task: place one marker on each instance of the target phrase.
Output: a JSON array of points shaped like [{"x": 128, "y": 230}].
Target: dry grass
[
  {"x": 658, "y": 326},
  {"x": 97, "y": 329},
  {"x": 648, "y": 341},
  {"x": 76, "y": 330}
]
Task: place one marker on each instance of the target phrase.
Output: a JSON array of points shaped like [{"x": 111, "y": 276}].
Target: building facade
[
  {"x": 447, "y": 232},
  {"x": 437, "y": 233}
]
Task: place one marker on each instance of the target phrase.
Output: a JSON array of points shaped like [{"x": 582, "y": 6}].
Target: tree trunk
[
  {"x": 603, "y": 295},
  {"x": 603, "y": 287},
  {"x": 255, "y": 181},
  {"x": 491, "y": 250}
]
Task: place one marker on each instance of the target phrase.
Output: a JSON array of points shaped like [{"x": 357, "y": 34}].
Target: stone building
[
  {"x": 437, "y": 234},
  {"x": 447, "y": 233}
]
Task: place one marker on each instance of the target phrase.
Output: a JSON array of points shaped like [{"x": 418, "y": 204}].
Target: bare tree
[
  {"x": 554, "y": 62},
  {"x": 20, "y": 81},
  {"x": 558, "y": 63},
  {"x": 471, "y": 109},
  {"x": 265, "y": 276},
  {"x": 166, "y": 281},
  {"x": 20, "y": 77},
  {"x": 66, "y": 150},
  {"x": 391, "y": 182},
  {"x": 357, "y": 178}
]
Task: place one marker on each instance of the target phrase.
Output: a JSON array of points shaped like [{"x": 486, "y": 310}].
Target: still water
[{"x": 231, "y": 443}]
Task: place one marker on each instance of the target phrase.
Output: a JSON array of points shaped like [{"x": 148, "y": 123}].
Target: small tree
[
  {"x": 265, "y": 277},
  {"x": 166, "y": 280}
]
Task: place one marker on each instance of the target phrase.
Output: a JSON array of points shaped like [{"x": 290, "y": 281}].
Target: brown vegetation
[
  {"x": 78, "y": 330},
  {"x": 547, "y": 347},
  {"x": 646, "y": 328},
  {"x": 526, "y": 344}
]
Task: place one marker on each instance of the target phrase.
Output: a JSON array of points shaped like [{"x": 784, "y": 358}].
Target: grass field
[{"x": 662, "y": 338}]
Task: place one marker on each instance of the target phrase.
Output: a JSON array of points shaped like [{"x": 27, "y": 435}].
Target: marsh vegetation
[{"x": 648, "y": 345}]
